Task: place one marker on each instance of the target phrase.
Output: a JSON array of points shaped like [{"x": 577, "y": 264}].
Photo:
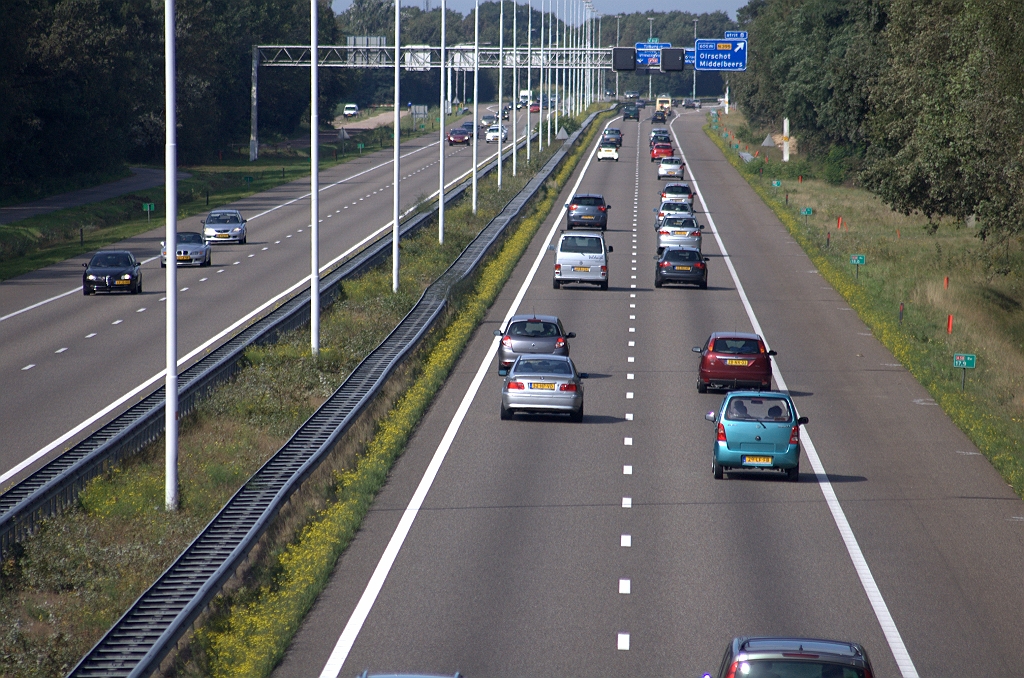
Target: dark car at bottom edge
[
  {"x": 768, "y": 657},
  {"x": 112, "y": 271}
]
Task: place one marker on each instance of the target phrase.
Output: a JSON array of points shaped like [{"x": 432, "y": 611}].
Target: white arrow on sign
[{"x": 739, "y": 46}]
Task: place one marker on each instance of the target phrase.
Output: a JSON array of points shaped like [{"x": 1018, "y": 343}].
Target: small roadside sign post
[
  {"x": 720, "y": 55},
  {"x": 964, "y": 361},
  {"x": 858, "y": 261},
  {"x": 148, "y": 208},
  {"x": 806, "y": 212},
  {"x": 248, "y": 180},
  {"x": 776, "y": 183},
  {"x": 360, "y": 146}
]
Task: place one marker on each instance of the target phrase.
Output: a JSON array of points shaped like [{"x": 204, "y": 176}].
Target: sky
[{"x": 609, "y": 7}]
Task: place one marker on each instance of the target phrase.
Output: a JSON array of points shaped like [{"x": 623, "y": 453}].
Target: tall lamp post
[
  {"x": 617, "y": 19},
  {"x": 650, "y": 38},
  {"x": 444, "y": 119},
  {"x": 529, "y": 72},
  {"x": 396, "y": 157},
  {"x": 514, "y": 114},
  {"x": 501, "y": 79},
  {"x": 476, "y": 95},
  {"x": 694, "y": 94},
  {"x": 171, "y": 277},
  {"x": 314, "y": 181}
]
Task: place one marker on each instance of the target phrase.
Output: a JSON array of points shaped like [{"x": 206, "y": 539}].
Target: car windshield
[
  {"x": 682, "y": 256},
  {"x": 493, "y": 128},
  {"x": 543, "y": 366},
  {"x": 756, "y": 408},
  {"x": 675, "y": 207},
  {"x": 458, "y": 130},
  {"x": 533, "y": 328},
  {"x": 467, "y": 125},
  {"x": 671, "y": 161},
  {"x": 612, "y": 130},
  {"x": 190, "y": 239},
  {"x": 587, "y": 201},
  {"x": 222, "y": 218},
  {"x": 677, "y": 189},
  {"x": 111, "y": 260},
  {"x": 663, "y": 147},
  {"x": 680, "y": 223},
  {"x": 770, "y": 668},
  {"x": 737, "y": 346},
  {"x": 662, "y": 138},
  {"x": 608, "y": 147},
  {"x": 581, "y": 244}
]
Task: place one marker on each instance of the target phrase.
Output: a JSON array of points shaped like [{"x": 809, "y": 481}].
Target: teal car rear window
[{"x": 758, "y": 409}]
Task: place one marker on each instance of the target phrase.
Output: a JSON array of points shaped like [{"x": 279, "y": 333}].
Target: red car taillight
[
  {"x": 558, "y": 268},
  {"x": 699, "y": 266},
  {"x": 604, "y": 270},
  {"x": 560, "y": 342},
  {"x": 602, "y": 208},
  {"x": 731, "y": 673},
  {"x": 573, "y": 206},
  {"x": 762, "y": 347},
  {"x": 661, "y": 214},
  {"x": 516, "y": 386},
  {"x": 663, "y": 264},
  {"x": 506, "y": 341},
  {"x": 567, "y": 387},
  {"x": 664, "y": 232},
  {"x": 794, "y": 435},
  {"x": 721, "y": 432}
]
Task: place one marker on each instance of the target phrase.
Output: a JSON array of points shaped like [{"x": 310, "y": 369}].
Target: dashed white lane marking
[
  {"x": 117, "y": 322},
  {"x": 629, "y": 416},
  {"x": 203, "y": 279},
  {"x": 632, "y": 305},
  {"x": 627, "y": 441},
  {"x": 265, "y": 249},
  {"x": 251, "y": 256},
  {"x": 163, "y": 298},
  {"x": 632, "y": 295},
  {"x": 629, "y": 395},
  {"x": 627, "y": 470},
  {"x": 141, "y": 310},
  {"x": 623, "y": 641},
  {"x": 28, "y": 367},
  {"x": 632, "y": 317},
  {"x": 184, "y": 289},
  {"x": 626, "y": 541},
  {"x": 627, "y": 502},
  {"x": 632, "y": 343},
  {"x": 860, "y": 565},
  {"x": 288, "y": 236},
  {"x": 632, "y": 329},
  {"x": 624, "y": 587},
  {"x": 221, "y": 270},
  {"x": 629, "y": 376},
  {"x": 631, "y": 359},
  {"x": 277, "y": 242},
  {"x": 235, "y": 263},
  {"x": 61, "y": 350},
  {"x": 633, "y": 286}
]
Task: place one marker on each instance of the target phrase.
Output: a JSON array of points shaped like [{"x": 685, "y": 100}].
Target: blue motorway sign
[
  {"x": 721, "y": 55},
  {"x": 649, "y": 53},
  {"x": 688, "y": 57},
  {"x": 735, "y": 35}
]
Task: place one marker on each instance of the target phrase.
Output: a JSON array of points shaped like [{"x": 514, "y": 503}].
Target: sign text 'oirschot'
[{"x": 720, "y": 55}]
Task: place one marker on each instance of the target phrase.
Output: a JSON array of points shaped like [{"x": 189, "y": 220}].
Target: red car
[
  {"x": 659, "y": 151},
  {"x": 732, "y": 360},
  {"x": 459, "y": 135},
  {"x": 534, "y": 108}
]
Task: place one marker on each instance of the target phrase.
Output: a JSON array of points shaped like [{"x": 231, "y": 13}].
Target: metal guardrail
[
  {"x": 56, "y": 485},
  {"x": 137, "y": 644}
]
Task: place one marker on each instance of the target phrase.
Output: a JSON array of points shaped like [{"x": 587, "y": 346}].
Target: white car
[
  {"x": 671, "y": 168},
  {"x": 494, "y": 132},
  {"x": 607, "y": 152},
  {"x": 350, "y": 111}
]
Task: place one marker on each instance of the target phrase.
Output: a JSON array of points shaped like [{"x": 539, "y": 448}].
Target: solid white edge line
[
  {"x": 373, "y": 587},
  {"x": 860, "y": 565},
  {"x": 7, "y": 475}
]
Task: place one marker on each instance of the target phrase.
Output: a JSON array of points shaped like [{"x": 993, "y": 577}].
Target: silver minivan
[{"x": 581, "y": 258}]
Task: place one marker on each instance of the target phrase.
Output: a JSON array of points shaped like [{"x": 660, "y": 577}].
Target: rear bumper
[
  {"x": 732, "y": 382},
  {"x": 737, "y": 459},
  {"x": 687, "y": 277},
  {"x": 522, "y": 402}
]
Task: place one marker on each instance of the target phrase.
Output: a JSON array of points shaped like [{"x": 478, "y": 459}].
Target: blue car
[{"x": 757, "y": 430}]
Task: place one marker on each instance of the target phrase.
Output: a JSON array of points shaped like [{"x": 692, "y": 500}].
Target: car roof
[
  {"x": 674, "y": 184},
  {"x": 672, "y": 159},
  {"x": 224, "y": 211},
  {"x": 588, "y": 195},
  {"x": 837, "y": 648},
  {"x": 526, "y": 316},
  {"x": 112, "y": 252}
]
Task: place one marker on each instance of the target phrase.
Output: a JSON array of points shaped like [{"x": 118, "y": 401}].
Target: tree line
[{"x": 923, "y": 97}]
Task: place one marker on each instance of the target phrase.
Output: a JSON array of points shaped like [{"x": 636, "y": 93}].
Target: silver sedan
[
  {"x": 543, "y": 385},
  {"x": 670, "y": 209},
  {"x": 225, "y": 226},
  {"x": 680, "y": 231},
  {"x": 190, "y": 250}
]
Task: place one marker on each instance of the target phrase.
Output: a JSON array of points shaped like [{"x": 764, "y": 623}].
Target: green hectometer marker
[{"x": 966, "y": 361}]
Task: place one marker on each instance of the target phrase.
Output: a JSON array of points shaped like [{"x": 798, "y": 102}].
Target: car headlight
[
  {"x": 92, "y": 277},
  {"x": 236, "y": 230},
  {"x": 126, "y": 276},
  {"x": 209, "y": 231}
]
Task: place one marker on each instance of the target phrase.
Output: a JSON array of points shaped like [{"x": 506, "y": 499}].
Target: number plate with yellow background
[
  {"x": 757, "y": 460},
  {"x": 581, "y": 269},
  {"x": 184, "y": 257},
  {"x": 682, "y": 268},
  {"x": 123, "y": 282},
  {"x": 741, "y": 363},
  {"x": 542, "y": 386}
]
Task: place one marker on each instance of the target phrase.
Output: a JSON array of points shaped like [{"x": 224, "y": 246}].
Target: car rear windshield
[
  {"x": 678, "y": 189},
  {"x": 675, "y": 207},
  {"x": 111, "y": 260},
  {"x": 682, "y": 256},
  {"x": 671, "y": 161},
  {"x": 190, "y": 238},
  {"x": 533, "y": 328},
  {"x": 663, "y": 147},
  {"x": 587, "y": 201},
  {"x": 737, "y": 346},
  {"x": 581, "y": 245},
  {"x": 542, "y": 366},
  {"x": 758, "y": 409},
  {"x": 770, "y": 668},
  {"x": 222, "y": 218},
  {"x": 680, "y": 223},
  {"x": 608, "y": 147}
]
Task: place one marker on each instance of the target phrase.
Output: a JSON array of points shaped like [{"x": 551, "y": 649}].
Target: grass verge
[
  {"x": 934, "y": 270},
  {"x": 64, "y": 587},
  {"x": 40, "y": 241}
]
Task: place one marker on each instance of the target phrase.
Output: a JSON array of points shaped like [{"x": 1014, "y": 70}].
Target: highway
[
  {"x": 70, "y": 363},
  {"x": 541, "y": 547}
]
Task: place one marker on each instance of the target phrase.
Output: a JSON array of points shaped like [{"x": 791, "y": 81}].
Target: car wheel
[
  {"x": 657, "y": 281},
  {"x": 556, "y": 283},
  {"x": 604, "y": 285},
  {"x": 163, "y": 264},
  {"x": 137, "y": 287},
  {"x": 245, "y": 238},
  {"x": 209, "y": 260},
  {"x": 701, "y": 386},
  {"x": 577, "y": 417},
  {"x": 85, "y": 290},
  {"x": 716, "y": 469},
  {"x": 793, "y": 474},
  {"x": 505, "y": 413},
  {"x": 704, "y": 285}
]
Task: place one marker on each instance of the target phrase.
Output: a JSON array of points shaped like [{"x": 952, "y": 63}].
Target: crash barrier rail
[
  {"x": 138, "y": 643},
  {"x": 56, "y": 485}
]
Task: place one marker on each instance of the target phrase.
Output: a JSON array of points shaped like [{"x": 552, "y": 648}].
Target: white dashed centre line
[
  {"x": 288, "y": 236},
  {"x": 632, "y": 295},
  {"x": 117, "y": 322},
  {"x": 141, "y": 310},
  {"x": 90, "y": 336},
  {"x": 632, "y": 317},
  {"x": 251, "y": 256},
  {"x": 627, "y": 502},
  {"x": 235, "y": 263},
  {"x": 626, "y": 541},
  {"x": 28, "y": 367},
  {"x": 630, "y": 359},
  {"x": 627, "y": 470},
  {"x": 632, "y": 329},
  {"x": 265, "y": 249},
  {"x": 184, "y": 289},
  {"x": 163, "y": 298},
  {"x": 220, "y": 270},
  {"x": 61, "y": 350},
  {"x": 203, "y": 279},
  {"x": 629, "y": 376},
  {"x": 632, "y": 343},
  {"x": 627, "y": 441},
  {"x": 629, "y": 416},
  {"x": 624, "y": 586},
  {"x": 629, "y": 395}
]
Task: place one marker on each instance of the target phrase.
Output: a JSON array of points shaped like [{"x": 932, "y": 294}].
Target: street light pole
[
  {"x": 514, "y": 113},
  {"x": 396, "y": 157},
  {"x": 650, "y": 38},
  {"x": 476, "y": 96},
  {"x": 617, "y": 19},
  {"x": 529, "y": 73},
  {"x": 314, "y": 182},
  {"x": 444, "y": 119},
  {"x": 171, "y": 277},
  {"x": 501, "y": 78},
  {"x": 694, "y": 94}
]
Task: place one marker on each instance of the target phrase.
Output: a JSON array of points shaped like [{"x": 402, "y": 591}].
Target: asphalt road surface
[
  {"x": 70, "y": 363},
  {"x": 541, "y": 547}
]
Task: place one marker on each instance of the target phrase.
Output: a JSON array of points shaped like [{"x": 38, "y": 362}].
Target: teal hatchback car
[{"x": 757, "y": 430}]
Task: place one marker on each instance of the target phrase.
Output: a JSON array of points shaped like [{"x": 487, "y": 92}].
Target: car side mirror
[
  {"x": 710, "y": 416},
  {"x": 502, "y": 373},
  {"x": 655, "y": 210},
  {"x": 610, "y": 249},
  {"x": 566, "y": 205},
  {"x": 584, "y": 375},
  {"x": 245, "y": 221},
  {"x": 202, "y": 221},
  {"x": 551, "y": 248},
  {"x": 773, "y": 352},
  {"x": 701, "y": 226},
  {"x": 85, "y": 265},
  {"x": 655, "y": 257},
  {"x": 695, "y": 349},
  {"x": 802, "y": 420},
  {"x": 607, "y": 207},
  {"x": 707, "y": 259},
  {"x": 570, "y": 335},
  {"x": 498, "y": 333}
]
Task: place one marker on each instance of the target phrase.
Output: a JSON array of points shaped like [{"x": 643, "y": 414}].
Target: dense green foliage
[{"x": 921, "y": 97}]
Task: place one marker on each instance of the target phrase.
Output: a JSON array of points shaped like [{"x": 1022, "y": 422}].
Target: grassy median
[
  {"x": 64, "y": 587},
  {"x": 935, "y": 270}
]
